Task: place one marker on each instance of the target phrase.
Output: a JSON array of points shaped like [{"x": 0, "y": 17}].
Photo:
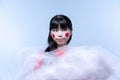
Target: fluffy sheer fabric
[{"x": 71, "y": 63}]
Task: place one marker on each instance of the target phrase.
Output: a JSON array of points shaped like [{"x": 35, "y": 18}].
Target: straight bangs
[{"x": 62, "y": 26}]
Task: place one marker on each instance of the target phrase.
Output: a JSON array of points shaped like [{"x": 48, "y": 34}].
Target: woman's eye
[
  {"x": 64, "y": 29},
  {"x": 55, "y": 30}
]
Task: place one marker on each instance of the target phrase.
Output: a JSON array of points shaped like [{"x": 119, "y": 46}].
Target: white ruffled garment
[{"x": 72, "y": 63}]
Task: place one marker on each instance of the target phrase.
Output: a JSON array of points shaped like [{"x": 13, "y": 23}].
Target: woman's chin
[{"x": 61, "y": 43}]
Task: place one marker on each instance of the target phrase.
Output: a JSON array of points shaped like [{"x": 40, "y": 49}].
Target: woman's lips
[{"x": 60, "y": 40}]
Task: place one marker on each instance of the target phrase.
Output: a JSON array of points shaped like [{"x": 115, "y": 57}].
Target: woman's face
[{"x": 61, "y": 36}]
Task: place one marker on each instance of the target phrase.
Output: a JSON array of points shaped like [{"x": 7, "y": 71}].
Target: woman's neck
[{"x": 60, "y": 46}]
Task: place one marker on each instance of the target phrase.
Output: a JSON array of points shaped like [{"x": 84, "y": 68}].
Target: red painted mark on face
[
  {"x": 66, "y": 34},
  {"x": 53, "y": 35}
]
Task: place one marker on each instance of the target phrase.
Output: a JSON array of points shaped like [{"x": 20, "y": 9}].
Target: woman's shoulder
[
  {"x": 30, "y": 53},
  {"x": 87, "y": 47},
  {"x": 86, "y": 50},
  {"x": 28, "y": 58},
  {"x": 90, "y": 50}
]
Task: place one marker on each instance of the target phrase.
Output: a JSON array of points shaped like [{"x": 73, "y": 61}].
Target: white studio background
[{"x": 24, "y": 25}]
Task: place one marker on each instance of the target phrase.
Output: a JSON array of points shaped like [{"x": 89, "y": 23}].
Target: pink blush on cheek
[
  {"x": 53, "y": 35},
  {"x": 67, "y": 34}
]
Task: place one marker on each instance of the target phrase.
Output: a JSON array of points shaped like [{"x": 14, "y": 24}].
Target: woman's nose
[{"x": 59, "y": 34}]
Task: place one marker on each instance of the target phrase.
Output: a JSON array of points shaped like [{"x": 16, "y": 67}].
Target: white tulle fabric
[{"x": 77, "y": 63}]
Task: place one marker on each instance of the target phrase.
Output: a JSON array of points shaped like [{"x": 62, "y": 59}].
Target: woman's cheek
[
  {"x": 67, "y": 34},
  {"x": 53, "y": 35}
]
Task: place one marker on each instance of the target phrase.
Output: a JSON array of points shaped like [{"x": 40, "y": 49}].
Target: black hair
[{"x": 59, "y": 20}]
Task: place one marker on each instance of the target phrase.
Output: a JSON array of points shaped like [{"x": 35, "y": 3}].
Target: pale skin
[{"x": 61, "y": 36}]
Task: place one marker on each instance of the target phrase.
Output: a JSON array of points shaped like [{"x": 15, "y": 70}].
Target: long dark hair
[{"x": 65, "y": 23}]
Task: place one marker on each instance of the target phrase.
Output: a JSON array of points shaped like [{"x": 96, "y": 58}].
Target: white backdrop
[{"x": 24, "y": 25}]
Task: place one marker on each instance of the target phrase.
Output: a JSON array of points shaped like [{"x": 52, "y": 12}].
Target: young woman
[
  {"x": 60, "y": 62},
  {"x": 60, "y": 32}
]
